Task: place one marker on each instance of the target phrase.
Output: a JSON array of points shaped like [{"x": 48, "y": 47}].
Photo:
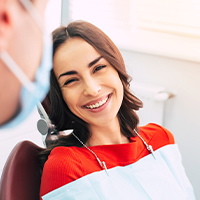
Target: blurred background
[{"x": 160, "y": 44}]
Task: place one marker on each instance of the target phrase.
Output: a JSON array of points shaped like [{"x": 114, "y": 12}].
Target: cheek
[
  {"x": 40, "y": 6},
  {"x": 71, "y": 99},
  {"x": 119, "y": 88},
  {"x": 116, "y": 82}
]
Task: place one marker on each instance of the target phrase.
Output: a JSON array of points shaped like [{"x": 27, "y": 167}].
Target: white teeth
[{"x": 96, "y": 105}]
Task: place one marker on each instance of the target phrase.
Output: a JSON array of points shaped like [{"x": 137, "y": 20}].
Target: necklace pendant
[{"x": 150, "y": 149}]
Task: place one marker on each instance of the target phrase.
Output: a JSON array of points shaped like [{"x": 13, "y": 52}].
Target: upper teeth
[{"x": 96, "y": 105}]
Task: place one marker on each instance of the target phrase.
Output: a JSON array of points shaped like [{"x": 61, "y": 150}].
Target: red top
[{"x": 66, "y": 164}]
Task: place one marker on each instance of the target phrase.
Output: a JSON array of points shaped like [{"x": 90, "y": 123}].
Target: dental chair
[{"x": 20, "y": 179}]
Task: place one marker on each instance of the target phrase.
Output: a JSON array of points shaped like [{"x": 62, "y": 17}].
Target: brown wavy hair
[{"x": 60, "y": 114}]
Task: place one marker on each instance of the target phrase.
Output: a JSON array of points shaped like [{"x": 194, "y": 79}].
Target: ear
[{"x": 5, "y": 26}]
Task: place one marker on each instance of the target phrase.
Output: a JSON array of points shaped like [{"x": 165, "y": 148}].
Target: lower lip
[{"x": 101, "y": 107}]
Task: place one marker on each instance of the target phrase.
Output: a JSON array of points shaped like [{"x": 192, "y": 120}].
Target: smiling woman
[
  {"x": 93, "y": 83},
  {"x": 90, "y": 94}
]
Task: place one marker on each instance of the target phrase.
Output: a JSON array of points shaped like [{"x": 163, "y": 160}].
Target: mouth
[{"x": 98, "y": 104}]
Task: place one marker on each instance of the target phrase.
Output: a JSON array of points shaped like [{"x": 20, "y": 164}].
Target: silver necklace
[{"x": 102, "y": 163}]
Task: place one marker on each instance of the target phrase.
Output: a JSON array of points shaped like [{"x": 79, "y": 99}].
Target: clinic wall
[{"x": 182, "y": 112}]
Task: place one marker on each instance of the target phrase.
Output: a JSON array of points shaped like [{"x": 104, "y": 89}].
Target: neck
[{"x": 106, "y": 135}]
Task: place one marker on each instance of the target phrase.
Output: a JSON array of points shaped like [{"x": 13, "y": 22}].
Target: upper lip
[{"x": 96, "y": 101}]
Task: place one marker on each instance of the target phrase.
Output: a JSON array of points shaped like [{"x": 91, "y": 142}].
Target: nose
[{"x": 91, "y": 87}]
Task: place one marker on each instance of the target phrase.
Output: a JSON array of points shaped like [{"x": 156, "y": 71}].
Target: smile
[{"x": 98, "y": 104}]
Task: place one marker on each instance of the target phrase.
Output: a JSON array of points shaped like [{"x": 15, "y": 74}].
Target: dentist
[{"x": 25, "y": 59}]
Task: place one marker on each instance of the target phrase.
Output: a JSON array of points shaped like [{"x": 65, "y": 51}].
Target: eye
[
  {"x": 99, "y": 68},
  {"x": 70, "y": 81}
]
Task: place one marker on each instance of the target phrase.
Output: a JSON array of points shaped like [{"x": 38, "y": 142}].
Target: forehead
[{"x": 75, "y": 53}]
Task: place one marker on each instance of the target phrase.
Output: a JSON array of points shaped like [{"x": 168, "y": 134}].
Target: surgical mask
[{"x": 31, "y": 92}]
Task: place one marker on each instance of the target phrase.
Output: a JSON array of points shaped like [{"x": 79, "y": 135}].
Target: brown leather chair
[{"x": 20, "y": 178}]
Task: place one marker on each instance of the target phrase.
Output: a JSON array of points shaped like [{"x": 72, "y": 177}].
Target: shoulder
[
  {"x": 63, "y": 159},
  {"x": 156, "y": 135},
  {"x": 60, "y": 156},
  {"x": 62, "y": 167}
]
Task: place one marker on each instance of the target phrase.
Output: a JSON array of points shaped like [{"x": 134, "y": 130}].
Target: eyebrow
[
  {"x": 68, "y": 73},
  {"x": 75, "y": 72},
  {"x": 94, "y": 61}
]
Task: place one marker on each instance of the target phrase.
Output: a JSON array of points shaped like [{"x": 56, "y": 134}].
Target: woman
[{"x": 107, "y": 156}]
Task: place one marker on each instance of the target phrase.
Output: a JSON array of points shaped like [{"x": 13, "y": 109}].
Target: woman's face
[{"x": 91, "y": 87}]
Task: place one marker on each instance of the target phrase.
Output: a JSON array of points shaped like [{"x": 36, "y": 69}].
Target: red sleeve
[{"x": 62, "y": 167}]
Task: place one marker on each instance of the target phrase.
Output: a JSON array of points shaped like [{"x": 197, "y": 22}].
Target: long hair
[{"x": 60, "y": 114}]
